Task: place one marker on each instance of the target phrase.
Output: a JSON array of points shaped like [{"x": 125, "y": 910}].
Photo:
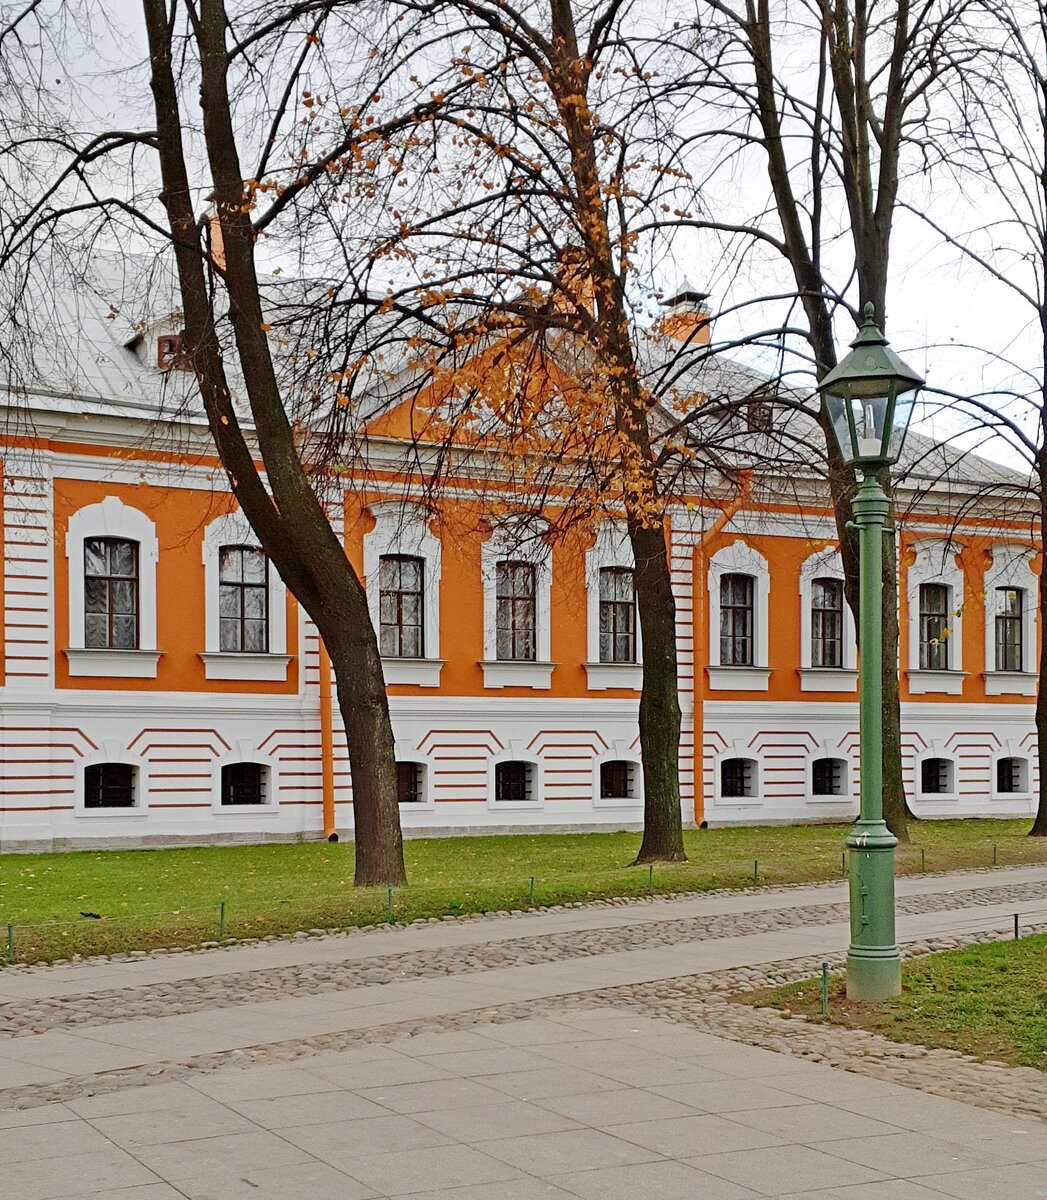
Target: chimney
[{"x": 686, "y": 318}]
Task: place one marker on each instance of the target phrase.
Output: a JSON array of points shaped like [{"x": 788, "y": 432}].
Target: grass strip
[
  {"x": 112, "y": 901},
  {"x": 987, "y": 1000}
]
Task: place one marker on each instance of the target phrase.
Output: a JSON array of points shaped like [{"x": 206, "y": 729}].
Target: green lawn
[
  {"x": 988, "y": 1000},
  {"x": 149, "y": 898}
]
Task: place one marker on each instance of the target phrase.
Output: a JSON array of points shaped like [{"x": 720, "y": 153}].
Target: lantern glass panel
[{"x": 903, "y": 410}]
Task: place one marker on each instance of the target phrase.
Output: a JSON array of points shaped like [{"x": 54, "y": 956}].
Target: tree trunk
[
  {"x": 291, "y": 524},
  {"x": 1039, "y": 826},
  {"x": 659, "y": 703},
  {"x": 369, "y": 733}
]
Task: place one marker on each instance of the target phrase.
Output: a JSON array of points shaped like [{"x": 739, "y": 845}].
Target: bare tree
[
  {"x": 546, "y": 180},
  {"x": 839, "y": 100},
  {"x": 248, "y": 78},
  {"x": 1000, "y": 226}
]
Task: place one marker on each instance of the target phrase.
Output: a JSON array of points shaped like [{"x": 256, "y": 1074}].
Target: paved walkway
[{"x": 541, "y": 1057}]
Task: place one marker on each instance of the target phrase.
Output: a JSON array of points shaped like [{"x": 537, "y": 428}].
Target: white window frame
[
  {"x": 233, "y": 529},
  {"x": 111, "y": 518},
  {"x": 619, "y": 752},
  {"x": 246, "y": 751},
  {"x": 935, "y": 562},
  {"x": 1011, "y": 567},
  {"x": 739, "y": 558},
  {"x": 612, "y": 548},
  {"x": 516, "y": 752},
  {"x": 825, "y": 564},
  {"x": 402, "y": 528},
  {"x": 848, "y": 793},
  {"x": 112, "y": 751},
  {"x": 517, "y": 541},
  {"x": 1011, "y": 750},
  {"x": 737, "y": 749},
  {"x": 935, "y": 750}
]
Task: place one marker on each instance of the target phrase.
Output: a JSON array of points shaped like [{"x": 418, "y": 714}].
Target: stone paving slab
[{"x": 620, "y": 1073}]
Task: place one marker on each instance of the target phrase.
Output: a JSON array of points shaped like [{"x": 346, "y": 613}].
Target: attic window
[
  {"x": 759, "y": 418},
  {"x": 170, "y": 353}
]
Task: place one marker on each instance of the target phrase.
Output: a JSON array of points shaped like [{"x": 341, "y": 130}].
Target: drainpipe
[
  {"x": 327, "y": 743},
  {"x": 700, "y": 641}
]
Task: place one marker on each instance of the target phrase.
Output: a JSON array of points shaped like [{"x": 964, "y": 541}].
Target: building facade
[{"x": 158, "y": 684}]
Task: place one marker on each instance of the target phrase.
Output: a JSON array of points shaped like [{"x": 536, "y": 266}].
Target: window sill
[
  {"x": 1003, "y": 797},
  {"x": 738, "y": 679},
  {"x": 509, "y": 673},
  {"x": 422, "y": 672},
  {"x": 229, "y": 665},
  {"x": 828, "y": 679},
  {"x": 949, "y": 683},
  {"x": 514, "y": 805},
  {"x": 268, "y": 809},
  {"x": 604, "y": 675},
  {"x": 113, "y": 664},
  {"x": 828, "y": 799},
  {"x": 738, "y": 801},
  {"x": 938, "y": 797},
  {"x": 1010, "y": 683},
  {"x": 618, "y": 802},
  {"x": 92, "y": 814}
]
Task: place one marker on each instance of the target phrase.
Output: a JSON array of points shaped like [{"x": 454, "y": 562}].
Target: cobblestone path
[{"x": 101, "y": 1007}]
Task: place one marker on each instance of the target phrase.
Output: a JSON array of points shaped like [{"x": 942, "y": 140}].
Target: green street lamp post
[{"x": 869, "y": 399}]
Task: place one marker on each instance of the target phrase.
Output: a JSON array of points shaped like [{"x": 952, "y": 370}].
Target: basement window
[
  {"x": 109, "y": 785},
  {"x": 243, "y": 783}
]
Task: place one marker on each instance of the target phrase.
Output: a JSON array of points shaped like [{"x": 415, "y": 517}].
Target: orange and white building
[{"x": 158, "y": 684}]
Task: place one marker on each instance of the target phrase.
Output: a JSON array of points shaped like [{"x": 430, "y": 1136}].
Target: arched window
[
  {"x": 829, "y": 777},
  {"x": 738, "y": 777},
  {"x": 617, "y": 615},
  {"x": 934, "y": 627},
  {"x": 401, "y": 605},
  {"x": 109, "y": 785},
  {"x": 737, "y": 643},
  {"x": 410, "y": 782},
  {"x": 516, "y": 615},
  {"x": 112, "y": 551},
  {"x": 243, "y": 600},
  {"x": 1012, "y": 776},
  {"x": 514, "y": 782},
  {"x": 1010, "y": 621},
  {"x": 936, "y": 777},
  {"x": 111, "y": 584},
  {"x": 618, "y": 779},
  {"x": 827, "y": 622},
  {"x": 244, "y": 783}
]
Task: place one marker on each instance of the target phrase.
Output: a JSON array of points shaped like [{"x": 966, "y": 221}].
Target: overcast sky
[{"x": 939, "y": 303}]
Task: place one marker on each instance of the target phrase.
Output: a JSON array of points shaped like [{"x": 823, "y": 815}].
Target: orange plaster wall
[
  {"x": 974, "y": 560},
  {"x": 462, "y": 530},
  {"x": 180, "y": 516}
]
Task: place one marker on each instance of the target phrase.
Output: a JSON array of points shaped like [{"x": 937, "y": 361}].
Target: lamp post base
[{"x": 874, "y": 966}]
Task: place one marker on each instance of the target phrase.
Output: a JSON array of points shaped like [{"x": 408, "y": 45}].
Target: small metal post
[
  {"x": 843, "y": 862},
  {"x": 923, "y": 860},
  {"x": 221, "y": 920},
  {"x": 1015, "y": 927},
  {"x": 825, "y": 989},
  {"x": 389, "y": 904},
  {"x": 994, "y": 854},
  {"x": 756, "y": 870},
  {"x": 530, "y": 893},
  {"x": 11, "y": 940},
  {"x": 650, "y": 881}
]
